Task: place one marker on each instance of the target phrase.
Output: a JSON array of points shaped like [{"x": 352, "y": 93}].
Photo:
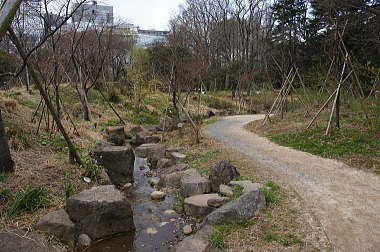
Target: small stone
[
  {"x": 169, "y": 212},
  {"x": 172, "y": 220},
  {"x": 163, "y": 224},
  {"x": 153, "y": 181},
  {"x": 127, "y": 186},
  {"x": 225, "y": 190},
  {"x": 84, "y": 241},
  {"x": 157, "y": 195},
  {"x": 187, "y": 229},
  {"x": 151, "y": 231}
]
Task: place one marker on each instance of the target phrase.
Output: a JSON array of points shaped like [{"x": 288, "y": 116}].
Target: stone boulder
[
  {"x": 164, "y": 163},
  {"x": 144, "y": 137},
  {"x": 197, "y": 242},
  {"x": 169, "y": 123},
  {"x": 172, "y": 149},
  {"x": 222, "y": 173},
  {"x": 20, "y": 241},
  {"x": 171, "y": 180},
  {"x": 150, "y": 150},
  {"x": 247, "y": 185},
  {"x": 225, "y": 190},
  {"x": 59, "y": 224},
  {"x": 242, "y": 209},
  {"x": 178, "y": 157},
  {"x": 192, "y": 183},
  {"x": 116, "y": 136},
  {"x": 100, "y": 212},
  {"x": 119, "y": 162},
  {"x": 197, "y": 205}
]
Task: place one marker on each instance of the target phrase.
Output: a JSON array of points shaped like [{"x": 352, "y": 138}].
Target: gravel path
[{"x": 345, "y": 200}]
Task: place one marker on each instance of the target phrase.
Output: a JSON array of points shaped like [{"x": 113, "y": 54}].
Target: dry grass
[{"x": 287, "y": 219}]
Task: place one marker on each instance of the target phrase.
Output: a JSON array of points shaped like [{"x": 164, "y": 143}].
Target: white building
[{"x": 98, "y": 14}]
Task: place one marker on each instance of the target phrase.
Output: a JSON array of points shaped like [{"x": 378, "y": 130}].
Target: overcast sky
[{"x": 148, "y": 14}]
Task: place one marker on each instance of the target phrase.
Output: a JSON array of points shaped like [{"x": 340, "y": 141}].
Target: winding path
[{"x": 345, "y": 200}]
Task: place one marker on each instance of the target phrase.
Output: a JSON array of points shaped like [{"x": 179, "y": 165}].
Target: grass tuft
[
  {"x": 216, "y": 239},
  {"x": 27, "y": 200}
]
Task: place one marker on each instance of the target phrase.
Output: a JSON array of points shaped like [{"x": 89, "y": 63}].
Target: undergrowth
[
  {"x": 217, "y": 238},
  {"x": 27, "y": 200}
]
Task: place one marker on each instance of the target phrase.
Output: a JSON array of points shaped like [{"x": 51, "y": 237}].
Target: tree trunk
[
  {"x": 86, "y": 109},
  {"x": 6, "y": 162}
]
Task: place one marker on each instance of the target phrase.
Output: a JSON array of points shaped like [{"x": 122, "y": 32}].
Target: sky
[{"x": 148, "y": 14}]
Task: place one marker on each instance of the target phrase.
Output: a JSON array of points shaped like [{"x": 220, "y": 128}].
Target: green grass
[
  {"x": 343, "y": 142},
  {"x": 27, "y": 200},
  {"x": 287, "y": 240},
  {"x": 217, "y": 238},
  {"x": 57, "y": 143},
  {"x": 113, "y": 122},
  {"x": 4, "y": 176},
  {"x": 27, "y": 104},
  {"x": 180, "y": 207},
  {"x": 68, "y": 186},
  {"x": 5, "y": 196},
  {"x": 238, "y": 191},
  {"x": 198, "y": 160},
  {"x": 217, "y": 103},
  {"x": 270, "y": 192},
  {"x": 146, "y": 118},
  {"x": 92, "y": 168}
]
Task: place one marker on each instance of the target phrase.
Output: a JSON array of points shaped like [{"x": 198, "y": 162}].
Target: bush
[{"x": 28, "y": 200}]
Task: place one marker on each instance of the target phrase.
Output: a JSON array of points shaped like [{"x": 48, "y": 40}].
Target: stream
[{"x": 156, "y": 228}]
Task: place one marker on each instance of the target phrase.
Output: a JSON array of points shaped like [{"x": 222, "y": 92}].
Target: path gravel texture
[{"x": 345, "y": 200}]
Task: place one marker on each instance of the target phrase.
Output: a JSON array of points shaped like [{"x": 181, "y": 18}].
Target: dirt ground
[{"x": 293, "y": 227}]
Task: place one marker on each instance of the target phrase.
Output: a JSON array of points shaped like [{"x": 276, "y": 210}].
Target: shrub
[
  {"x": 92, "y": 168},
  {"x": 28, "y": 200}
]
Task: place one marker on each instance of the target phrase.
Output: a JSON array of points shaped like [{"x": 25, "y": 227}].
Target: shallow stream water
[{"x": 155, "y": 229}]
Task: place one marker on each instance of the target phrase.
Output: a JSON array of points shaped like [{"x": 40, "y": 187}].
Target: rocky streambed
[{"x": 135, "y": 212}]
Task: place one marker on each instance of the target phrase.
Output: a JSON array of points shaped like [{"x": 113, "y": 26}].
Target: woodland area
[{"x": 311, "y": 66}]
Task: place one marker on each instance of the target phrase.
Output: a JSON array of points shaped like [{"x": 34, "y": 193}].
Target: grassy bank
[{"x": 356, "y": 143}]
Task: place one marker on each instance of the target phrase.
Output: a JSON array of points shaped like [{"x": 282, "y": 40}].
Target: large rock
[
  {"x": 59, "y": 224},
  {"x": 144, "y": 137},
  {"x": 222, "y": 173},
  {"x": 197, "y": 206},
  {"x": 239, "y": 210},
  {"x": 119, "y": 162},
  {"x": 150, "y": 150},
  {"x": 116, "y": 136},
  {"x": 178, "y": 157},
  {"x": 247, "y": 185},
  {"x": 225, "y": 190},
  {"x": 172, "y": 149},
  {"x": 164, "y": 163},
  {"x": 20, "y": 241},
  {"x": 100, "y": 212},
  {"x": 169, "y": 123},
  {"x": 192, "y": 183},
  {"x": 171, "y": 180},
  {"x": 197, "y": 242}
]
